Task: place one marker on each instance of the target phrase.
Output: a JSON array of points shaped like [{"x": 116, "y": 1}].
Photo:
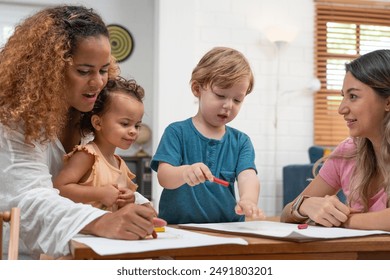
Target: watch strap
[{"x": 295, "y": 208}]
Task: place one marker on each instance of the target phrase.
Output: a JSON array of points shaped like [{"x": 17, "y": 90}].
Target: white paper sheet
[
  {"x": 283, "y": 230},
  {"x": 172, "y": 238}
]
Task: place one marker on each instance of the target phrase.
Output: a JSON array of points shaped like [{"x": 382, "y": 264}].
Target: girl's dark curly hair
[
  {"x": 103, "y": 101},
  {"x": 33, "y": 64}
]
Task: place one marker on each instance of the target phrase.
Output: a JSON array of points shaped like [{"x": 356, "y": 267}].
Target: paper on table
[
  {"x": 283, "y": 230},
  {"x": 172, "y": 238}
]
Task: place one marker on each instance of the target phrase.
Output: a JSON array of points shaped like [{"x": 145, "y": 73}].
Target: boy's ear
[
  {"x": 195, "y": 87},
  {"x": 95, "y": 121}
]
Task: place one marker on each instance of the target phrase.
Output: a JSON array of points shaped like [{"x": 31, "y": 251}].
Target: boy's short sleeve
[
  {"x": 168, "y": 149},
  {"x": 247, "y": 156}
]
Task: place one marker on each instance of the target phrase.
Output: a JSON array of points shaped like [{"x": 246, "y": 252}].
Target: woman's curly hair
[
  {"x": 103, "y": 101},
  {"x": 33, "y": 64}
]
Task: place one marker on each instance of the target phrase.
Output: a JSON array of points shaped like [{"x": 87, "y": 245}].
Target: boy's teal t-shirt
[{"x": 182, "y": 144}]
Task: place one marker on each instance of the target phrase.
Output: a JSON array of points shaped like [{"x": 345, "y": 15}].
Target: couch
[{"x": 297, "y": 176}]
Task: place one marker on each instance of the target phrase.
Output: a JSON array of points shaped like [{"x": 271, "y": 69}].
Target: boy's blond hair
[{"x": 222, "y": 67}]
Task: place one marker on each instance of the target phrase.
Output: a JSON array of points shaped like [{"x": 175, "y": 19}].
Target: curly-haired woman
[{"x": 51, "y": 70}]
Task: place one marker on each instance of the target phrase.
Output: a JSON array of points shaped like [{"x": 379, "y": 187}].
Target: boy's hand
[
  {"x": 197, "y": 173},
  {"x": 249, "y": 209}
]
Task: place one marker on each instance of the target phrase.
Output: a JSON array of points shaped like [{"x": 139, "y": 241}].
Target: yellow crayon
[{"x": 159, "y": 229}]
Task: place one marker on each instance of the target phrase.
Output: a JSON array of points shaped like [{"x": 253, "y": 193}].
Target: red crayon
[
  {"x": 302, "y": 226},
  {"x": 221, "y": 182}
]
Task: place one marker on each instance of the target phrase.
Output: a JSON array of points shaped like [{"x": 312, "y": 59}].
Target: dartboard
[{"x": 121, "y": 41}]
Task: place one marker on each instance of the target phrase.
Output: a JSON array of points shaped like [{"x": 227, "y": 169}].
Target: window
[{"x": 344, "y": 31}]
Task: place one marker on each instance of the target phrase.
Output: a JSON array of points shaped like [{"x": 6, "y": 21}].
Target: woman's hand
[
  {"x": 149, "y": 205},
  {"x": 328, "y": 211},
  {"x": 131, "y": 222}
]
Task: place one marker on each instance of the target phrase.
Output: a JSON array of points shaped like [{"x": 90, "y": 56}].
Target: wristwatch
[{"x": 295, "y": 208}]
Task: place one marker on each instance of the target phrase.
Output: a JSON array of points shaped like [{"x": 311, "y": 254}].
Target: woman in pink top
[{"x": 360, "y": 165}]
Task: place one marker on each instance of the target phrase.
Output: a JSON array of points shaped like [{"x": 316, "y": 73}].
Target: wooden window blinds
[{"x": 344, "y": 31}]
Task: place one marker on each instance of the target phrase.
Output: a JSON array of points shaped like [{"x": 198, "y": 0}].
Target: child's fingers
[
  {"x": 126, "y": 198},
  {"x": 258, "y": 214},
  {"x": 206, "y": 172},
  {"x": 238, "y": 210},
  {"x": 126, "y": 195},
  {"x": 250, "y": 210}
]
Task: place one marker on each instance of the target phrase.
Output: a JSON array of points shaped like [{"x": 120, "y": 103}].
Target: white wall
[{"x": 172, "y": 35}]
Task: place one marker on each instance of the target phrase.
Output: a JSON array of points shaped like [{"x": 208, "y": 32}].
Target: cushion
[{"x": 317, "y": 152}]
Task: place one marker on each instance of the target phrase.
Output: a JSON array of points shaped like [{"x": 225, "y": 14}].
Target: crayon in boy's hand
[{"x": 221, "y": 182}]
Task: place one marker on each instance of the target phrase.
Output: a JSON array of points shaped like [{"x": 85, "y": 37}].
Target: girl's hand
[
  {"x": 197, "y": 173},
  {"x": 108, "y": 194},
  {"x": 249, "y": 209},
  {"x": 328, "y": 211},
  {"x": 126, "y": 196}
]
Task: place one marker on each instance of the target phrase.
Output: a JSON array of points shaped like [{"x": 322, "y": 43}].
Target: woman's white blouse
[{"x": 48, "y": 220}]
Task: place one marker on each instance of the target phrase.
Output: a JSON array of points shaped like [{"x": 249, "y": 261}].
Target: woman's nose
[
  {"x": 97, "y": 82},
  {"x": 342, "y": 108}
]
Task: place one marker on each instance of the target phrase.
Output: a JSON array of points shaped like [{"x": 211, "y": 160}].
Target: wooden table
[{"x": 368, "y": 247}]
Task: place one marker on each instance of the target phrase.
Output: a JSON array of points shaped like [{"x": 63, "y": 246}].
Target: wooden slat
[
  {"x": 355, "y": 3},
  {"x": 1, "y": 236},
  {"x": 13, "y": 218},
  {"x": 14, "y": 234}
]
